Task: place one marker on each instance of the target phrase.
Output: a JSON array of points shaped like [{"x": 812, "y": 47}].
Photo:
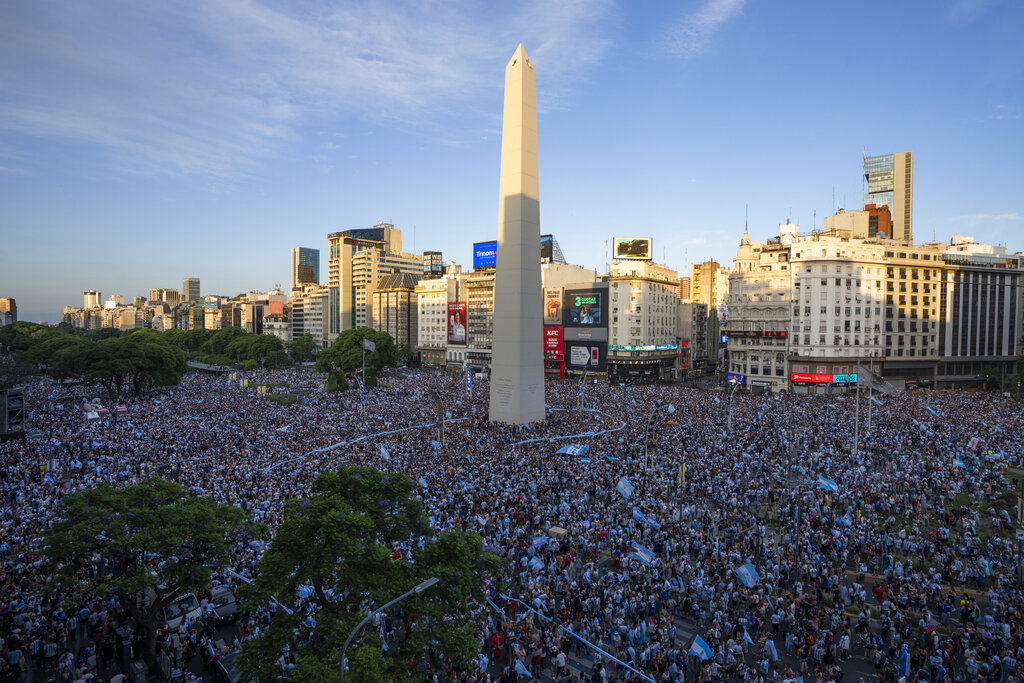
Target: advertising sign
[
  {"x": 553, "y": 306},
  {"x": 547, "y": 247},
  {"x": 757, "y": 334},
  {"x": 586, "y": 355},
  {"x": 275, "y": 307},
  {"x": 457, "y": 322},
  {"x": 683, "y": 357},
  {"x": 636, "y": 248},
  {"x": 811, "y": 378},
  {"x": 585, "y": 308},
  {"x": 734, "y": 377},
  {"x": 646, "y": 347},
  {"x": 485, "y": 254},
  {"x": 553, "y": 341},
  {"x": 844, "y": 379}
]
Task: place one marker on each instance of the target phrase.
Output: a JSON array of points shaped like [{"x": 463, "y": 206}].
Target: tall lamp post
[
  {"x": 732, "y": 393},
  {"x": 415, "y": 591}
]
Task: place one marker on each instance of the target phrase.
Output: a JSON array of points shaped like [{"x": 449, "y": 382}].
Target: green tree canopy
[
  {"x": 156, "y": 539},
  {"x": 131, "y": 363},
  {"x": 302, "y": 348},
  {"x": 338, "y": 544},
  {"x": 346, "y": 353}
]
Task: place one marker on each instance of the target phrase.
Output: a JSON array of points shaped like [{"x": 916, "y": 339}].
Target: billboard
[
  {"x": 485, "y": 254},
  {"x": 684, "y": 359},
  {"x": 591, "y": 356},
  {"x": 734, "y": 377},
  {"x": 586, "y": 308},
  {"x": 636, "y": 248},
  {"x": 547, "y": 247},
  {"x": 553, "y": 306},
  {"x": 553, "y": 341},
  {"x": 275, "y": 308},
  {"x": 822, "y": 378},
  {"x": 456, "y": 322}
]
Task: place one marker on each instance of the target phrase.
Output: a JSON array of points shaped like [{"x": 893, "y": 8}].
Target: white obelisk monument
[{"x": 517, "y": 360}]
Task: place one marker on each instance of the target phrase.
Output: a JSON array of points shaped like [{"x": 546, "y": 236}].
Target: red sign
[
  {"x": 683, "y": 356},
  {"x": 275, "y": 307},
  {"x": 553, "y": 342},
  {"x": 457, "y": 322},
  {"x": 810, "y": 378}
]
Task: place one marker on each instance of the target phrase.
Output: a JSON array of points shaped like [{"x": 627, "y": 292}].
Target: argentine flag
[
  {"x": 748, "y": 575},
  {"x": 957, "y": 462},
  {"x": 384, "y": 453},
  {"x": 746, "y": 636},
  {"x": 701, "y": 649},
  {"x": 522, "y": 670},
  {"x": 827, "y": 484},
  {"x": 624, "y": 487},
  {"x": 932, "y": 411}
]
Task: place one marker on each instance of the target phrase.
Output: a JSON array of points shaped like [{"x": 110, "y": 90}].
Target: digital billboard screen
[
  {"x": 485, "y": 254},
  {"x": 683, "y": 359},
  {"x": 456, "y": 322},
  {"x": 636, "y": 248},
  {"x": 585, "y": 308},
  {"x": 547, "y": 247},
  {"x": 591, "y": 356}
]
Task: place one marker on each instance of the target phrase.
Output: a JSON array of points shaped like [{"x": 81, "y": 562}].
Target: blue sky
[{"x": 144, "y": 142}]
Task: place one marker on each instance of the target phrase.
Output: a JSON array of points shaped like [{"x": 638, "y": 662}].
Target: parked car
[{"x": 224, "y": 604}]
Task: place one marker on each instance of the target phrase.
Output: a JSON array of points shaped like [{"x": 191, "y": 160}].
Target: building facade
[
  {"x": 8, "y": 311},
  {"x": 709, "y": 283},
  {"x": 889, "y": 181},
  {"x": 394, "y": 305},
  {"x": 305, "y": 267},
  {"x": 642, "y": 340},
  {"x": 190, "y": 289}
]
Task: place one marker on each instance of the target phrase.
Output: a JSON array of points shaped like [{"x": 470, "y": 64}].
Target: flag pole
[{"x": 856, "y": 423}]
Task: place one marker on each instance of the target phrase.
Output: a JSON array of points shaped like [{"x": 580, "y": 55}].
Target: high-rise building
[
  {"x": 305, "y": 267},
  {"x": 709, "y": 283},
  {"x": 684, "y": 289},
  {"x": 394, "y": 307},
  {"x": 356, "y": 262},
  {"x": 190, "y": 289},
  {"x": 8, "y": 311},
  {"x": 889, "y": 180},
  {"x": 91, "y": 299}
]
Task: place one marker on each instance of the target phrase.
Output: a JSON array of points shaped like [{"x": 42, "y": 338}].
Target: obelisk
[{"x": 517, "y": 361}]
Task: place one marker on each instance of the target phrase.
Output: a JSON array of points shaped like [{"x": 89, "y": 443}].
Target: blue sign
[
  {"x": 734, "y": 377},
  {"x": 844, "y": 379},
  {"x": 485, "y": 254},
  {"x": 725, "y": 339}
]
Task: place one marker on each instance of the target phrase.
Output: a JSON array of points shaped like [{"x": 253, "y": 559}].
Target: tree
[
  {"x": 992, "y": 376},
  {"x": 338, "y": 546},
  {"x": 131, "y": 363},
  {"x": 346, "y": 353},
  {"x": 302, "y": 348},
  {"x": 336, "y": 381},
  {"x": 155, "y": 540},
  {"x": 403, "y": 354}
]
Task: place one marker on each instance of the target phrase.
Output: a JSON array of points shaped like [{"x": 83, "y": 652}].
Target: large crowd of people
[{"x": 893, "y": 558}]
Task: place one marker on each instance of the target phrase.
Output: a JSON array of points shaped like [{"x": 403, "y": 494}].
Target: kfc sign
[{"x": 553, "y": 343}]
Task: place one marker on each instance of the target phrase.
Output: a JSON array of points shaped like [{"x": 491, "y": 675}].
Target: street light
[{"x": 415, "y": 591}]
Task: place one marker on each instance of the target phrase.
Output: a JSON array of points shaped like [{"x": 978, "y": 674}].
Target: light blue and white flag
[
  {"x": 748, "y": 575},
  {"x": 624, "y": 487},
  {"x": 435, "y": 444},
  {"x": 877, "y": 401},
  {"x": 522, "y": 670},
  {"x": 847, "y": 520},
  {"x": 746, "y": 636},
  {"x": 986, "y": 564},
  {"x": 646, "y": 553},
  {"x": 957, "y": 462},
  {"x": 637, "y": 515},
  {"x": 771, "y": 649},
  {"x": 369, "y": 345},
  {"x": 671, "y": 408},
  {"x": 573, "y": 449},
  {"x": 827, "y": 484},
  {"x": 932, "y": 411},
  {"x": 585, "y": 461},
  {"x": 536, "y": 563},
  {"x": 423, "y": 482},
  {"x": 904, "y": 662},
  {"x": 384, "y": 453},
  {"x": 539, "y": 541},
  {"x": 701, "y": 649}
]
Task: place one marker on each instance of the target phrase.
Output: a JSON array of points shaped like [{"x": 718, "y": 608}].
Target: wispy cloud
[
  {"x": 974, "y": 219},
  {"x": 217, "y": 86},
  {"x": 692, "y": 34}
]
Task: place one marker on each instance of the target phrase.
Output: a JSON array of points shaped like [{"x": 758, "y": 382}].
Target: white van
[{"x": 181, "y": 607}]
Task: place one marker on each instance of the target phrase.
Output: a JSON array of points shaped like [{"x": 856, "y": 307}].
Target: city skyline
[{"x": 209, "y": 141}]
